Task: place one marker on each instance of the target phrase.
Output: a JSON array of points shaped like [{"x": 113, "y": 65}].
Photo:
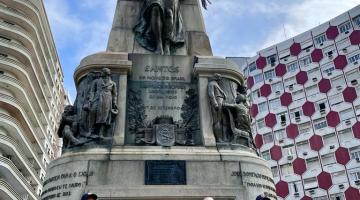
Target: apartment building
[
  {"x": 305, "y": 96},
  {"x": 31, "y": 98}
]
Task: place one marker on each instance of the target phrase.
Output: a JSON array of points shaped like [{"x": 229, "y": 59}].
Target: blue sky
[{"x": 235, "y": 27}]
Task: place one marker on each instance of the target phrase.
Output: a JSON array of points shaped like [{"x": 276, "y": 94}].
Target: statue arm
[
  {"x": 205, "y": 3},
  {"x": 114, "y": 95}
]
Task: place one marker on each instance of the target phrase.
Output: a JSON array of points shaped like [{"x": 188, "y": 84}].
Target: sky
[{"x": 235, "y": 27}]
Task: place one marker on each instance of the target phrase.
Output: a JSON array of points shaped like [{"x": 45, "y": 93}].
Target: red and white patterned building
[{"x": 305, "y": 95}]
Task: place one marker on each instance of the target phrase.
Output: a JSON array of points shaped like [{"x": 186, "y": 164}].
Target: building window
[
  {"x": 269, "y": 74},
  {"x": 280, "y": 135},
  {"x": 296, "y": 113},
  {"x": 288, "y": 150},
  {"x": 275, "y": 171},
  {"x": 320, "y": 39},
  {"x": 312, "y": 90},
  {"x": 306, "y": 61},
  {"x": 345, "y": 27},
  {"x": 292, "y": 67},
  {"x": 357, "y": 20},
  {"x": 355, "y": 153},
  {"x": 338, "y": 196},
  {"x": 258, "y": 78},
  {"x": 275, "y": 104},
  {"x": 262, "y": 107},
  {"x": 277, "y": 87},
  {"x": 266, "y": 155},
  {"x": 268, "y": 138},
  {"x": 252, "y": 67},
  {"x": 354, "y": 58},
  {"x": 355, "y": 176},
  {"x": 338, "y": 82},
  {"x": 287, "y": 169},
  {"x": 328, "y": 69},
  {"x": 260, "y": 123},
  {"x": 271, "y": 60},
  {"x": 347, "y": 114},
  {"x": 353, "y": 77},
  {"x": 328, "y": 159},
  {"x": 255, "y": 94},
  {"x": 304, "y": 128},
  {"x": 336, "y": 99},
  {"x": 320, "y": 124},
  {"x": 282, "y": 118}
]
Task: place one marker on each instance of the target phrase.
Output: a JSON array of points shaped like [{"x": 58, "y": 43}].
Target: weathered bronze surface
[
  {"x": 91, "y": 118},
  {"x": 230, "y": 112},
  {"x": 160, "y": 26}
]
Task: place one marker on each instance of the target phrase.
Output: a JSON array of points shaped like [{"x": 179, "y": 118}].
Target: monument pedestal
[
  {"x": 124, "y": 173},
  {"x": 177, "y": 125}
]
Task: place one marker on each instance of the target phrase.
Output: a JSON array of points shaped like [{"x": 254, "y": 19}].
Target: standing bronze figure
[
  {"x": 217, "y": 97},
  {"x": 160, "y": 26},
  {"x": 103, "y": 97}
]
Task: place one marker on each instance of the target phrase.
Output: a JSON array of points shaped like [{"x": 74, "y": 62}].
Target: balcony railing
[
  {"x": 8, "y": 188},
  {"x": 20, "y": 150},
  {"x": 15, "y": 171},
  {"x": 17, "y": 125}
]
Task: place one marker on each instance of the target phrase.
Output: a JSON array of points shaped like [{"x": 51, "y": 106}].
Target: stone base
[{"x": 119, "y": 173}]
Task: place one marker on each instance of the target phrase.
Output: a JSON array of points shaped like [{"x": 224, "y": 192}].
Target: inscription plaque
[{"x": 165, "y": 172}]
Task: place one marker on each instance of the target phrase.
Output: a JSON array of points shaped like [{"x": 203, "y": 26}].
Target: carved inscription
[
  {"x": 257, "y": 181},
  {"x": 63, "y": 185}
]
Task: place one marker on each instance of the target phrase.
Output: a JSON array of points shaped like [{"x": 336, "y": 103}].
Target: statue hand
[{"x": 205, "y": 3}]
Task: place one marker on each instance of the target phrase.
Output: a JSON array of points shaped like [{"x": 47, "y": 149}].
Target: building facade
[
  {"x": 31, "y": 98},
  {"x": 305, "y": 95}
]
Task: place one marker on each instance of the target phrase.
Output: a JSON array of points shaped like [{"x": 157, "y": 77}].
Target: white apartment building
[
  {"x": 31, "y": 98},
  {"x": 305, "y": 95}
]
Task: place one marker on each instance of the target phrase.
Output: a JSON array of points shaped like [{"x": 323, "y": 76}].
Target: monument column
[{"x": 120, "y": 66}]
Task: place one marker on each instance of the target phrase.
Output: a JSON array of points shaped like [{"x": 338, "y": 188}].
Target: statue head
[
  {"x": 91, "y": 76},
  {"x": 217, "y": 77},
  {"x": 69, "y": 109},
  {"x": 105, "y": 72}
]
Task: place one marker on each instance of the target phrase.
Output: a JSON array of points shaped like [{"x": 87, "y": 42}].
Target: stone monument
[{"x": 157, "y": 116}]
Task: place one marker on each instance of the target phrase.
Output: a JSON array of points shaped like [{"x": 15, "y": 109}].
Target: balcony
[
  {"x": 10, "y": 172},
  {"x": 10, "y": 145},
  {"x": 7, "y": 192},
  {"x": 8, "y": 121}
]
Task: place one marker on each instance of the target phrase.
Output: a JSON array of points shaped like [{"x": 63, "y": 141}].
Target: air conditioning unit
[
  {"x": 307, "y": 50},
  {"x": 357, "y": 182},
  {"x": 291, "y": 87},
  {"x": 357, "y": 159},
  {"x": 305, "y": 153},
  {"x": 344, "y": 50},
  {"x": 339, "y": 87},
  {"x": 290, "y": 157},
  {"x": 321, "y": 44},
  {"x": 285, "y": 59},
  {"x": 330, "y": 56},
  {"x": 354, "y": 82},
  {"x": 314, "y": 79},
  {"x": 322, "y": 111},
  {"x": 270, "y": 80},
  {"x": 277, "y": 92},
  {"x": 341, "y": 186},
  {"x": 332, "y": 147},
  {"x": 296, "y": 194},
  {"x": 329, "y": 73},
  {"x": 348, "y": 122},
  {"x": 312, "y": 192},
  {"x": 297, "y": 119},
  {"x": 346, "y": 32},
  {"x": 356, "y": 62},
  {"x": 281, "y": 141}
]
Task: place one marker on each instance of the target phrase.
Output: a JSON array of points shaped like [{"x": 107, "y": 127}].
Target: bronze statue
[
  {"x": 160, "y": 26},
  {"x": 103, "y": 98},
  {"x": 217, "y": 97},
  {"x": 68, "y": 128}
]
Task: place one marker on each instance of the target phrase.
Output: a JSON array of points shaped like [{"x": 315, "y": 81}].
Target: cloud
[{"x": 304, "y": 16}]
